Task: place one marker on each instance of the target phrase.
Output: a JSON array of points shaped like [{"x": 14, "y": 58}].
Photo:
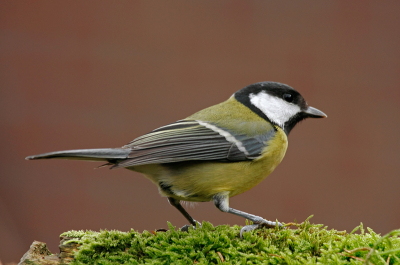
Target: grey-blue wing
[{"x": 189, "y": 140}]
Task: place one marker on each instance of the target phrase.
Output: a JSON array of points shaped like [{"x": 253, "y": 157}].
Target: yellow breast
[
  {"x": 200, "y": 181},
  {"x": 237, "y": 178}
]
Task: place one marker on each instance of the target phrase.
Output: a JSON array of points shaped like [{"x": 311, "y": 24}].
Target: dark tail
[{"x": 103, "y": 154}]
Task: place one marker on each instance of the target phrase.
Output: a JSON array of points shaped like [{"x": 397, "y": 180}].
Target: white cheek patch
[{"x": 276, "y": 109}]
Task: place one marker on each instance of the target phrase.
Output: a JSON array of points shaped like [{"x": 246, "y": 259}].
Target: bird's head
[{"x": 277, "y": 103}]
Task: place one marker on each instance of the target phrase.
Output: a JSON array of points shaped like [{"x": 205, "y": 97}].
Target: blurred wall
[{"x": 98, "y": 74}]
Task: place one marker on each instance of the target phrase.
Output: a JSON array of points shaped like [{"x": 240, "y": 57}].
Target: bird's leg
[
  {"x": 221, "y": 201},
  {"x": 178, "y": 206}
]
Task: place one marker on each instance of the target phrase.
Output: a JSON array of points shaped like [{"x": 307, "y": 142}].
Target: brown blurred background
[{"x": 100, "y": 73}]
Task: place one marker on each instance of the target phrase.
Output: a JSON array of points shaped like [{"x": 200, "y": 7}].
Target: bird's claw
[
  {"x": 185, "y": 228},
  {"x": 258, "y": 224},
  {"x": 248, "y": 228}
]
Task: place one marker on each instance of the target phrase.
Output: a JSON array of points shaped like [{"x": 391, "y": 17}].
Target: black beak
[{"x": 314, "y": 113}]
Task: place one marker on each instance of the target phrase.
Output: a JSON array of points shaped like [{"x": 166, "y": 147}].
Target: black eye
[{"x": 288, "y": 97}]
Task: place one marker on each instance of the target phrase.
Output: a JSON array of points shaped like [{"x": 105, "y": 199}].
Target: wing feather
[{"x": 187, "y": 140}]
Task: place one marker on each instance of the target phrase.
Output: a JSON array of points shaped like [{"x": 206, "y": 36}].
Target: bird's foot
[
  {"x": 185, "y": 228},
  {"x": 259, "y": 223}
]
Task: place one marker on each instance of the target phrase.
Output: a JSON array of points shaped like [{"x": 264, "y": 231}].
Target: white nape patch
[
  {"x": 229, "y": 137},
  {"x": 276, "y": 109}
]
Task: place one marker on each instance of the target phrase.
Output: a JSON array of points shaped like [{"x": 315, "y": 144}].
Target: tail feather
[{"x": 102, "y": 154}]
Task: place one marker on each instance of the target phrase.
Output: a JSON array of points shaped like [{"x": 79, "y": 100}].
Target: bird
[{"x": 216, "y": 153}]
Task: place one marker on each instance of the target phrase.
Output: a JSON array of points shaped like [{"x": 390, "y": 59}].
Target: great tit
[{"x": 216, "y": 153}]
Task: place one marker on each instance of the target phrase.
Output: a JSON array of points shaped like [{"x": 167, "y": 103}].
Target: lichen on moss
[{"x": 307, "y": 244}]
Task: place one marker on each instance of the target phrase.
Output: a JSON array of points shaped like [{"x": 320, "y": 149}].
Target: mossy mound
[{"x": 307, "y": 244}]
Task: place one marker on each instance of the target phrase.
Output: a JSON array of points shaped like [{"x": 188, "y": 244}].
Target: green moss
[{"x": 307, "y": 244}]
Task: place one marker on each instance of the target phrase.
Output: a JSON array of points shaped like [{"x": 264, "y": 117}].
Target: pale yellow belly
[{"x": 200, "y": 181}]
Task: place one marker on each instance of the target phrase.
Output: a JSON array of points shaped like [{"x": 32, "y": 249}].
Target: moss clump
[{"x": 307, "y": 244}]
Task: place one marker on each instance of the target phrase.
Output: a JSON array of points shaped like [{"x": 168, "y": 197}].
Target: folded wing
[{"x": 189, "y": 140}]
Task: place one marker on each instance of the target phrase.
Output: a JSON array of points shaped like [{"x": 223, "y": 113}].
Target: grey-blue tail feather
[{"x": 101, "y": 154}]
